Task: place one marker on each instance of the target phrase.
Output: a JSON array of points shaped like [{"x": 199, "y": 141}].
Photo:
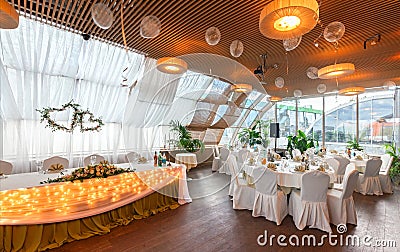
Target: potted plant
[
  {"x": 394, "y": 171},
  {"x": 251, "y": 136},
  {"x": 185, "y": 140},
  {"x": 354, "y": 145},
  {"x": 300, "y": 142}
]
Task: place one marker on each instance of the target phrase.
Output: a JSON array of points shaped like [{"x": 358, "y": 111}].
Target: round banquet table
[
  {"x": 359, "y": 164},
  {"x": 188, "y": 159},
  {"x": 287, "y": 177}
]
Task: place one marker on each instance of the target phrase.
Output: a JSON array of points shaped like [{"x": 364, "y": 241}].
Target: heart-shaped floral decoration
[{"x": 77, "y": 118}]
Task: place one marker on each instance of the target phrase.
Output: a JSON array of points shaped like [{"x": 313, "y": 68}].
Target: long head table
[{"x": 24, "y": 201}]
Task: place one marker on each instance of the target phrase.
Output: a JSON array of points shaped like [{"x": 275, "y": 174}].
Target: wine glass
[
  {"x": 39, "y": 166},
  {"x": 287, "y": 155},
  {"x": 92, "y": 159}
]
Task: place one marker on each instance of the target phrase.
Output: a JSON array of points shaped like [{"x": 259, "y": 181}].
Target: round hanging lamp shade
[
  {"x": 242, "y": 88},
  {"x": 9, "y": 18},
  {"x": 337, "y": 70},
  {"x": 171, "y": 65},
  {"x": 275, "y": 98},
  {"x": 286, "y": 19},
  {"x": 352, "y": 91}
]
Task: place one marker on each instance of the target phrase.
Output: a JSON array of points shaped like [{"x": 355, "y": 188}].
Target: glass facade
[{"x": 376, "y": 123}]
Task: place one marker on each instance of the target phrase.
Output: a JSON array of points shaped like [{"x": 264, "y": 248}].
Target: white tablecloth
[
  {"x": 188, "y": 159},
  {"x": 288, "y": 177}
]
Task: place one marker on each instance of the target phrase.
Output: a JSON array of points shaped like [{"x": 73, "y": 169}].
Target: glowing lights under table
[{"x": 68, "y": 201}]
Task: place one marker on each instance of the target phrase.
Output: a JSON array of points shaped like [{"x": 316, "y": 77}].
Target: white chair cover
[
  {"x": 384, "y": 179},
  {"x": 223, "y": 168},
  {"x": 99, "y": 158},
  {"x": 55, "y": 160},
  {"x": 343, "y": 162},
  {"x": 308, "y": 206},
  {"x": 243, "y": 195},
  {"x": 217, "y": 159},
  {"x": 131, "y": 157},
  {"x": 334, "y": 164},
  {"x": 296, "y": 152},
  {"x": 269, "y": 201},
  {"x": 5, "y": 167},
  {"x": 341, "y": 205},
  {"x": 368, "y": 183},
  {"x": 242, "y": 157}
]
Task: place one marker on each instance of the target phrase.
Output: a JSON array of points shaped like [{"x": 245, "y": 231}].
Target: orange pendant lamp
[
  {"x": 9, "y": 18},
  {"x": 286, "y": 19}
]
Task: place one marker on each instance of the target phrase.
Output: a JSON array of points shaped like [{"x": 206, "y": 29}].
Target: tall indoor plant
[
  {"x": 185, "y": 140},
  {"x": 394, "y": 171}
]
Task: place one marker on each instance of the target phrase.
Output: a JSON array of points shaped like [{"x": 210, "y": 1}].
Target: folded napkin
[
  {"x": 300, "y": 168},
  {"x": 142, "y": 160},
  {"x": 56, "y": 168},
  {"x": 297, "y": 158},
  {"x": 271, "y": 166}
]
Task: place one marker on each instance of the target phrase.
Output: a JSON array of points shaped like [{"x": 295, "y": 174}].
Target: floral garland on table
[
  {"x": 77, "y": 118},
  {"x": 102, "y": 170}
]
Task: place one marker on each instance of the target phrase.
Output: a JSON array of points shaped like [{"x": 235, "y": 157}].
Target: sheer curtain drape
[
  {"x": 158, "y": 99},
  {"x": 41, "y": 66}
]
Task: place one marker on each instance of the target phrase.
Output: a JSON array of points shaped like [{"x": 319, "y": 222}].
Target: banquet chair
[
  {"x": 242, "y": 157},
  {"x": 131, "y": 157},
  {"x": 217, "y": 159},
  {"x": 309, "y": 206},
  {"x": 223, "y": 168},
  {"x": 368, "y": 183},
  {"x": 5, "y": 167},
  {"x": 343, "y": 162},
  {"x": 341, "y": 204},
  {"x": 384, "y": 179},
  {"x": 47, "y": 163},
  {"x": 269, "y": 201},
  {"x": 243, "y": 194},
  {"x": 296, "y": 153},
  {"x": 334, "y": 164},
  {"x": 99, "y": 158}
]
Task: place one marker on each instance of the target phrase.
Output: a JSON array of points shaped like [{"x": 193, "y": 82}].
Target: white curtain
[
  {"x": 42, "y": 66},
  {"x": 158, "y": 99}
]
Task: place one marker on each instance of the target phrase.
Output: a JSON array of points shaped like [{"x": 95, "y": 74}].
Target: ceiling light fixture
[
  {"x": 275, "y": 99},
  {"x": 336, "y": 70},
  {"x": 352, "y": 91},
  {"x": 171, "y": 65},
  {"x": 9, "y": 18},
  {"x": 286, "y": 19},
  {"x": 242, "y": 88}
]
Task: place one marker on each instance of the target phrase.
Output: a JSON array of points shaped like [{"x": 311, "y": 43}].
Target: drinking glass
[
  {"x": 287, "y": 155},
  {"x": 39, "y": 166},
  {"x": 92, "y": 160}
]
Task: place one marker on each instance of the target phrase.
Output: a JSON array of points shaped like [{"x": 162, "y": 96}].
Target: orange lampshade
[
  {"x": 9, "y": 18},
  {"x": 285, "y": 19},
  {"x": 242, "y": 88},
  {"x": 336, "y": 70},
  {"x": 171, "y": 65},
  {"x": 352, "y": 91}
]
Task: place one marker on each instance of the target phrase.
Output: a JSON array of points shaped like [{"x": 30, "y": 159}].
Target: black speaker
[{"x": 274, "y": 130}]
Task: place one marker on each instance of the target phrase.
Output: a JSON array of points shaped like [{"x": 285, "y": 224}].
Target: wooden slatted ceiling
[{"x": 185, "y": 22}]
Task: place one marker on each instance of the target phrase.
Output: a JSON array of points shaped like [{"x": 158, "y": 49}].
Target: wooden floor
[{"x": 210, "y": 224}]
